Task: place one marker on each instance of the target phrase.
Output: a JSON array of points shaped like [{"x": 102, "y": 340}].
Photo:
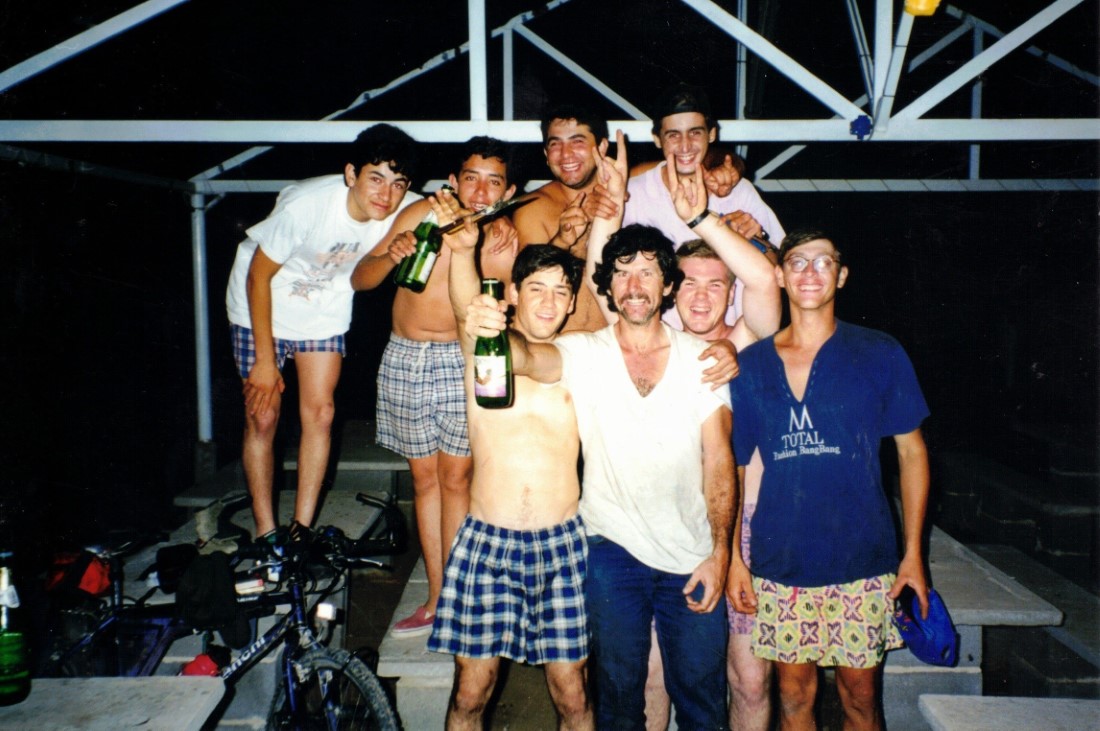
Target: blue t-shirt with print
[{"x": 822, "y": 516}]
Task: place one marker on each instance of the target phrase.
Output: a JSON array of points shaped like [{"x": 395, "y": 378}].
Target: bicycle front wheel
[{"x": 331, "y": 690}]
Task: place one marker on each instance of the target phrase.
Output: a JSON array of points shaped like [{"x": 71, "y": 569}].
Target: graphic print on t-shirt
[
  {"x": 319, "y": 276},
  {"x": 802, "y": 439}
]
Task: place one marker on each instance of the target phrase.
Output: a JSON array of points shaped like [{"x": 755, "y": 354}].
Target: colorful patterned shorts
[
  {"x": 244, "y": 348},
  {"x": 741, "y": 624},
  {"x": 848, "y": 624},
  {"x": 514, "y": 594},
  {"x": 422, "y": 399}
]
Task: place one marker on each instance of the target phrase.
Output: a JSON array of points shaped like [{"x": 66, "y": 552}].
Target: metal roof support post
[
  {"x": 479, "y": 71},
  {"x": 885, "y": 102},
  {"x": 509, "y": 77},
  {"x": 976, "y": 108},
  {"x": 884, "y": 31},
  {"x": 742, "y": 73},
  {"x": 202, "y": 337},
  {"x": 859, "y": 35}
]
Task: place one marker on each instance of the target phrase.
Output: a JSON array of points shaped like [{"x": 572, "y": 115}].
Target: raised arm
[
  {"x": 913, "y": 477},
  {"x": 539, "y": 361},
  {"x": 612, "y": 174},
  {"x": 761, "y": 304},
  {"x": 462, "y": 279}
]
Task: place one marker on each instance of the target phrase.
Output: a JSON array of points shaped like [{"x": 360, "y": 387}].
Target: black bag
[{"x": 207, "y": 600}]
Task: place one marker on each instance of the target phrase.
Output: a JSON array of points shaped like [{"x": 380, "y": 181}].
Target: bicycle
[{"x": 317, "y": 687}]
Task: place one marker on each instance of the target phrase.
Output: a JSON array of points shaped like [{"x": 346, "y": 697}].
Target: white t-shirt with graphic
[{"x": 317, "y": 242}]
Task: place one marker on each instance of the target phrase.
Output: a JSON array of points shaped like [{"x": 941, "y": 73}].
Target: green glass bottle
[
  {"x": 493, "y": 361},
  {"x": 15, "y": 674},
  {"x": 414, "y": 270}
]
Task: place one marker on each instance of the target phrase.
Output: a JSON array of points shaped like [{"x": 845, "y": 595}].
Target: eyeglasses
[{"x": 822, "y": 263}]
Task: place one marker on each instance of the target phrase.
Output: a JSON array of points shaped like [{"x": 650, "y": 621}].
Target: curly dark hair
[
  {"x": 624, "y": 246},
  {"x": 384, "y": 143}
]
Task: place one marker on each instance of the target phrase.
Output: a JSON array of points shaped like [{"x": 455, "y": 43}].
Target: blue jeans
[{"x": 623, "y": 597}]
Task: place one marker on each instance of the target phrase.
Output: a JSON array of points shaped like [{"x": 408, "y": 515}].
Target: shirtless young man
[
  {"x": 572, "y": 141},
  {"x": 421, "y": 404},
  {"x": 522, "y": 529}
]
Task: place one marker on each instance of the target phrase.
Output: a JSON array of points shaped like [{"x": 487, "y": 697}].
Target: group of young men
[{"x": 631, "y": 302}]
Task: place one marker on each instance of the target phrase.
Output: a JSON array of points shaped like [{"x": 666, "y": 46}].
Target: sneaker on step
[{"x": 416, "y": 624}]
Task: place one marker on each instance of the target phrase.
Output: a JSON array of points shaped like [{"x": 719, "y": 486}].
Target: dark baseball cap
[{"x": 681, "y": 98}]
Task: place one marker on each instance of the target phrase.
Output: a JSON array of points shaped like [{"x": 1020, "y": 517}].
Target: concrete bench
[
  {"x": 423, "y": 678},
  {"x": 978, "y": 595},
  {"x": 1002, "y": 713},
  {"x": 114, "y": 704}
]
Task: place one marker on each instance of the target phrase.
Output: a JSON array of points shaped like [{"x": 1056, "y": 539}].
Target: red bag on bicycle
[{"x": 78, "y": 571}]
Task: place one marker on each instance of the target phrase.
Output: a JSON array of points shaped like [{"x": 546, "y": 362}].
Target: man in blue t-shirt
[{"x": 816, "y": 399}]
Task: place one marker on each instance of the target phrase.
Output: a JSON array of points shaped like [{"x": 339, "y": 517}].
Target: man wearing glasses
[{"x": 816, "y": 399}]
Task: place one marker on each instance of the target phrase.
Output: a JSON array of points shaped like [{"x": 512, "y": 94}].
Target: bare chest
[{"x": 646, "y": 368}]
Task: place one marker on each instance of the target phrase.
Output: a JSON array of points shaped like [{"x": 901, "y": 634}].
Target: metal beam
[
  {"x": 937, "y": 185},
  {"x": 81, "y": 42},
  {"x": 859, "y": 36},
  {"x": 479, "y": 64},
  {"x": 1055, "y": 61},
  {"x": 884, "y": 33},
  {"x": 783, "y": 63},
  {"x": 785, "y": 130},
  {"x": 885, "y": 102},
  {"x": 987, "y": 58},
  {"x": 575, "y": 68}
]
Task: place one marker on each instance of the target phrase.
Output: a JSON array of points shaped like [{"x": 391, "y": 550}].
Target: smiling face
[
  {"x": 704, "y": 296},
  {"x": 811, "y": 289},
  {"x": 570, "y": 153},
  {"x": 685, "y": 136},
  {"x": 375, "y": 192},
  {"x": 543, "y": 300},
  {"x": 481, "y": 182},
  {"x": 638, "y": 287}
]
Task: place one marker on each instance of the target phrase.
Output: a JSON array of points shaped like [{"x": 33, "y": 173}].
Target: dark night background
[{"x": 994, "y": 295}]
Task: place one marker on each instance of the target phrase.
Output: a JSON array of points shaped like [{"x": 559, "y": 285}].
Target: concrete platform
[
  {"x": 964, "y": 713},
  {"x": 114, "y": 704}
]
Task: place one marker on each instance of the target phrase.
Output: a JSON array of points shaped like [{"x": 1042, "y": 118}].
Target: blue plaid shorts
[
  {"x": 244, "y": 348},
  {"x": 514, "y": 594},
  {"x": 422, "y": 399}
]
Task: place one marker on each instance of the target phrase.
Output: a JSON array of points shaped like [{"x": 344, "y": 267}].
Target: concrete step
[{"x": 1058, "y": 661}]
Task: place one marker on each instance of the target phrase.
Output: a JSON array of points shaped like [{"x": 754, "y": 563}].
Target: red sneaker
[{"x": 416, "y": 624}]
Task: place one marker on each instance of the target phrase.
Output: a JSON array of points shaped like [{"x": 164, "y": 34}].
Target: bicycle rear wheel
[{"x": 333, "y": 691}]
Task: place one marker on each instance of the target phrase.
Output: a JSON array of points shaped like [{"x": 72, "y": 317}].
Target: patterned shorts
[
  {"x": 422, "y": 399},
  {"x": 848, "y": 624},
  {"x": 514, "y": 594},
  {"x": 741, "y": 624},
  {"x": 244, "y": 348}
]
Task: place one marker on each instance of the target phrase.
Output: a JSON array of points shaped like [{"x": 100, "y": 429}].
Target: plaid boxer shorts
[{"x": 514, "y": 594}]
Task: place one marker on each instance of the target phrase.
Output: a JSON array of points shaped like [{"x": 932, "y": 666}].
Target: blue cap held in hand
[{"x": 932, "y": 640}]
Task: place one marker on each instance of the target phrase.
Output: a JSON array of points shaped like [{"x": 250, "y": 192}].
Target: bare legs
[
  {"x": 441, "y": 486},
  {"x": 318, "y": 374},
  {"x": 475, "y": 679}
]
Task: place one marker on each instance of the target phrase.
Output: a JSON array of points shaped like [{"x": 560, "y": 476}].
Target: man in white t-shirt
[
  {"x": 290, "y": 296},
  {"x": 658, "y": 485}
]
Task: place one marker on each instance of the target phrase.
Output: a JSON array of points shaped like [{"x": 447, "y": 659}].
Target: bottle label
[
  {"x": 490, "y": 376},
  {"x": 424, "y": 270}
]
